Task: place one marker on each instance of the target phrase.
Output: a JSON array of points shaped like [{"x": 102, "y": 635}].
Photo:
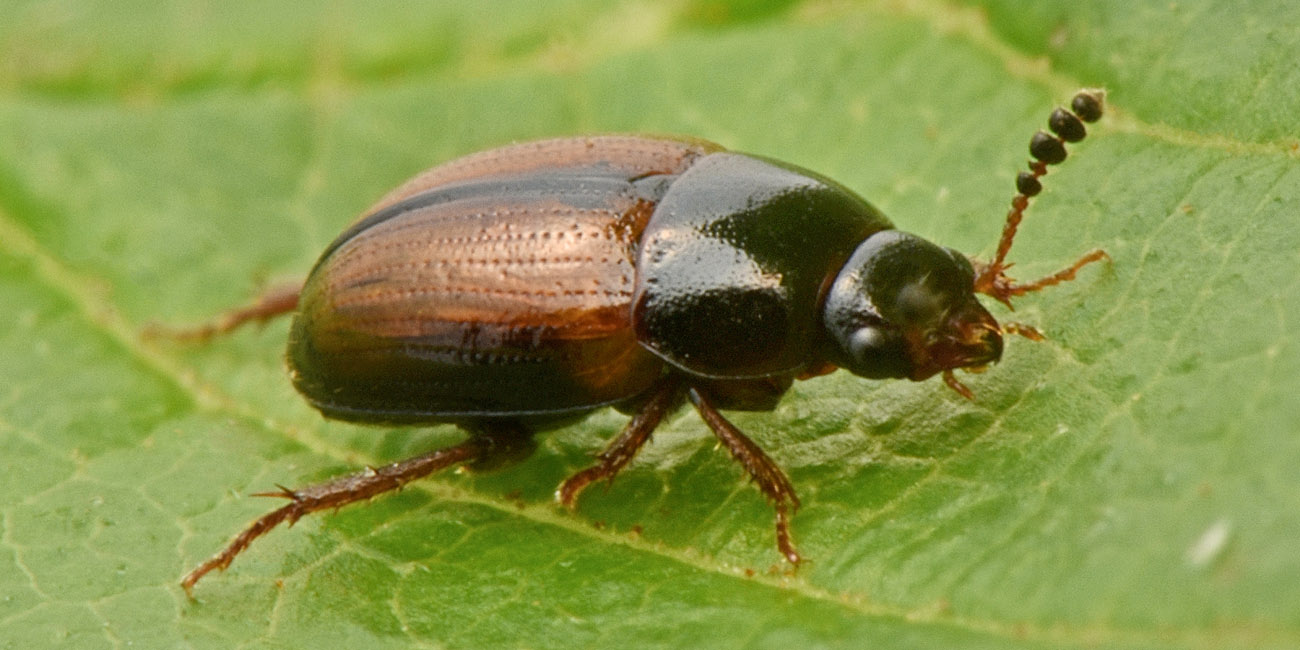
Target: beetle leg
[
  {"x": 502, "y": 443},
  {"x": 488, "y": 447},
  {"x": 1064, "y": 275},
  {"x": 664, "y": 398},
  {"x": 993, "y": 282},
  {"x": 772, "y": 482},
  {"x": 275, "y": 301}
]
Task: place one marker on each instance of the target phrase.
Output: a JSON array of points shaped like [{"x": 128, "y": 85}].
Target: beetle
[{"x": 517, "y": 289}]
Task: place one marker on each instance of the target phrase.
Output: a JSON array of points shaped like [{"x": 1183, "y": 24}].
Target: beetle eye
[
  {"x": 878, "y": 352},
  {"x": 866, "y": 342}
]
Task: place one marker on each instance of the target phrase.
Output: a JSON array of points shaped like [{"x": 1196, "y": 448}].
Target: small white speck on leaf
[{"x": 1209, "y": 546}]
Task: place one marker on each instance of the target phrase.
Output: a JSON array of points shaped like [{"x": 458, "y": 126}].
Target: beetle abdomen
[{"x": 496, "y": 294}]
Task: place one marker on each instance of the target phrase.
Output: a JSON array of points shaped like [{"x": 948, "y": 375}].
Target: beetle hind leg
[
  {"x": 490, "y": 446},
  {"x": 772, "y": 482},
  {"x": 274, "y": 302},
  {"x": 501, "y": 443}
]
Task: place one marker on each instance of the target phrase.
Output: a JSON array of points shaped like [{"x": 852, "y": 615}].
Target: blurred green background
[{"x": 1130, "y": 483}]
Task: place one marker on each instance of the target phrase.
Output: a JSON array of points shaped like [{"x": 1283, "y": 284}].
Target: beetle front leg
[
  {"x": 996, "y": 284},
  {"x": 490, "y": 446},
  {"x": 1064, "y": 275},
  {"x": 664, "y": 398},
  {"x": 772, "y": 482}
]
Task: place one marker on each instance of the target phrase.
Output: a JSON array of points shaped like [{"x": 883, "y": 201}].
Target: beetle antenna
[{"x": 1046, "y": 149}]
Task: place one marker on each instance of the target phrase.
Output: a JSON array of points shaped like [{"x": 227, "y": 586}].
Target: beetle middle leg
[
  {"x": 772, "y": 482},
  {"x": 664, "y": 399},
  {"x": 492, "y": 444}
]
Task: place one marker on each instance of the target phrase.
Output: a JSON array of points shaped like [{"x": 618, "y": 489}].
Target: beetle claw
[{"x": 281, "y": 492}]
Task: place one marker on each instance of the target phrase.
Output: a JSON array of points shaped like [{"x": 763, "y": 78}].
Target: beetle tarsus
[
  {"x": 783, "y": 540},
  {"x": 664, "y": 398},
  {"x": 771, "y": 481}
]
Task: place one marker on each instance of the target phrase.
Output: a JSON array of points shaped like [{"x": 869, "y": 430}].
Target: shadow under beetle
[{"x": 513, "y": 290}]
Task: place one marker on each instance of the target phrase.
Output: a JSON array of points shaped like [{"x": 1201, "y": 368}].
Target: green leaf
[{"x": 1130, "y": 483}]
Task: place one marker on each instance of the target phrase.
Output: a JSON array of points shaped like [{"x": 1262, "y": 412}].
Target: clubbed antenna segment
[{"x": 1046, "y": 149}]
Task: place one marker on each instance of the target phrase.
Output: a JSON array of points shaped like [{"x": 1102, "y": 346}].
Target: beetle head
[{"x": 903, "y": 307}]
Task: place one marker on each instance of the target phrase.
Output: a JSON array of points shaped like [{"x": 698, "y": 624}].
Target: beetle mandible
[{"x": 513, "y": 290}]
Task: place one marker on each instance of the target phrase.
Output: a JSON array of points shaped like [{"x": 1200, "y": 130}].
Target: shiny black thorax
[{"x": 735, "y": 262}]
